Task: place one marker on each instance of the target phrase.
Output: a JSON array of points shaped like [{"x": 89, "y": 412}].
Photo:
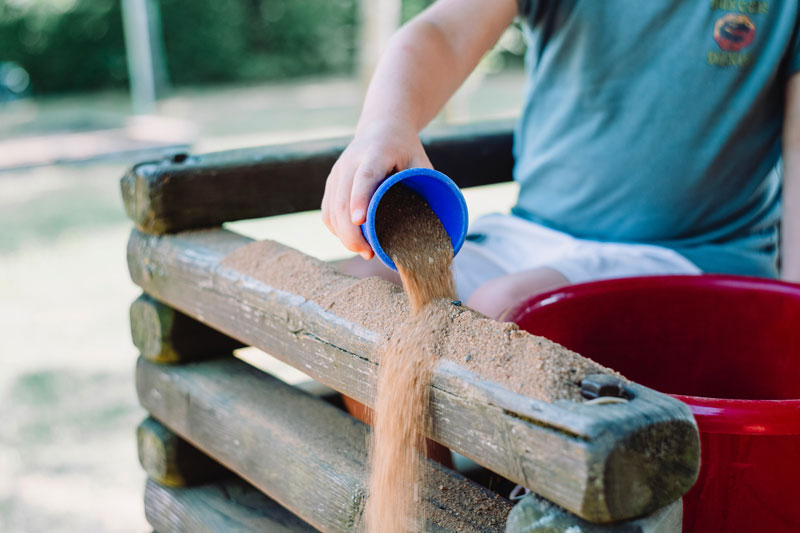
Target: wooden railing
[{"x": 248, "y": 449}]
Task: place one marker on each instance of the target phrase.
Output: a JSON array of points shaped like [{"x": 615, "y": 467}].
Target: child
[{"x": 650, "y": 140}]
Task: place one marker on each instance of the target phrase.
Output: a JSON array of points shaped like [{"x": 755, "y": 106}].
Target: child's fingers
[
  {"x": 348, "y": 190},
  {"x": 349, "y": 233},
  {"x": 367, "y": 178},
  {"x": 351, "y": 236},
  {"x": 326, "y": 199},
  {"x": 341, "y": 171}
]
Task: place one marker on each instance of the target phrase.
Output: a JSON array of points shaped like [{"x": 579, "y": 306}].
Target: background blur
[{"x": 87, "y": 88}]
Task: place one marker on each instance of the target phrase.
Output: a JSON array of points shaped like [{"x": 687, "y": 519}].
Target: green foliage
[
  {"x": 297, "y": 37},
  {"x": 210, "y": 41},
  {"x": 70, "y": 45},
  {"x": 204, "y": 40},
  {"x": 412, "y": 7},
  {"x": 65, "y": 45}
]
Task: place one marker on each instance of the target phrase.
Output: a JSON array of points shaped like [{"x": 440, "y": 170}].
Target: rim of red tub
[{"x": 713, "y": 415}]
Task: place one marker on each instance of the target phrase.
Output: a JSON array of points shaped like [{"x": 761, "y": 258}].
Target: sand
[
  {"x": 412, "y": 235},
  {"x": 523, "y": 363},
  {"x": 400, "y": 418},
  {"x": 445, "y": 496},
  {"x": 496, "y": 351},
  {"x": 418, "y": 329}
]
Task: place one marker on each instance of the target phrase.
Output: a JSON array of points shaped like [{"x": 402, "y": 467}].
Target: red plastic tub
[{"x": 727, "y": 346}]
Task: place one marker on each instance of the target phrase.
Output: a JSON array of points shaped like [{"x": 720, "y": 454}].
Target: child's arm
[
  {"x": 790, "y": 224},
  {"x": 424, "y": 64}
]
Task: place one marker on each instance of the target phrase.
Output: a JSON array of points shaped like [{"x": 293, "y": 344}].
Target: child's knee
[
  {"x": 497, "y": 295},
  {"x": 493, "y": 297}
]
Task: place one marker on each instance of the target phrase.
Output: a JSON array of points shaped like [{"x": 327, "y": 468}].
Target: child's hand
[
  {"x": 375, "y": 153},
  {"x": 423, "y": 65}
]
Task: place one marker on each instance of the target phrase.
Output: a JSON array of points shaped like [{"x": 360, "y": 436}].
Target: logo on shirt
[{"x": 734, "y": 32}]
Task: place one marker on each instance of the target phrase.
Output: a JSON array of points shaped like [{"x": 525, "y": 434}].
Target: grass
[{"x": 67, "y": 447}]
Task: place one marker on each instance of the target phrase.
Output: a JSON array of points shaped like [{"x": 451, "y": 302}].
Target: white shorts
[{"x": 504, "y": 244}]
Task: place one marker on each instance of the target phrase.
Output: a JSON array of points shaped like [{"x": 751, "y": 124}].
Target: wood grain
[
  {"x": 305, "y": 454},
  {"x": 535, "y": 515},
  {"x": 164, "y": 335},
  {"x": 170, "y": 460},
  {"x": 601, "y": 462},
  {"x": 229, "y": 506},
  {"x": 208, "y": 190}
]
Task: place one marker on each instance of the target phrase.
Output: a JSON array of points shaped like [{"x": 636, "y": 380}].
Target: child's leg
[
  {"x": 497, "y": 247},
  {"x": 583, "y": 262},
  {"x": 509, "y": 260},
  {"x": 498, "y": 294}
]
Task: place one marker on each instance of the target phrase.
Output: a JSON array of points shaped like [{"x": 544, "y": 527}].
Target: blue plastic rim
[{"x": 438, "y": 190}]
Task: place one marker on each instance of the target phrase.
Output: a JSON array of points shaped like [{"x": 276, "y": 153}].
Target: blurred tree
[
  {"x": 65, "y": 45},
  {"x": 299, "y": 37},
  {"x": 205, "y": 40},
  {"x": 70, "y": 45},
  {"x": 412, "y": 7},
  {"x": 378, "y": 20},
  {"x": 141, "y": 22}
]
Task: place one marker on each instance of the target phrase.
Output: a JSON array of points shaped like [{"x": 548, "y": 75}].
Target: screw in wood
[
  {"x": 179, "y": 157},
  {"x": 603, "y": 386}
]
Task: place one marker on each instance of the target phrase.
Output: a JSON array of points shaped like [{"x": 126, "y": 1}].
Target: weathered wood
[
  {"x": 170, "y": 460},
  {"x": 229, "y": 506},
  {"x": 305, "y": 454},
  {"x": 208, "y": 190},
  {"x": 602, "y": 462},
  {"x": 535, "y": 515},
  {"x": 164, "y": 335}
]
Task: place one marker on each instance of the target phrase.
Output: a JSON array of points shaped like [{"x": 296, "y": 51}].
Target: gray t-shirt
[{"x": 659, "y": 121}]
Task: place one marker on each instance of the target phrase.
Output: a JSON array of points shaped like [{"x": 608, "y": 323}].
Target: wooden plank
[
  {"x": 235, "y": 505},
  {"x": 208, "y": 190},
  {"x": 305, "y": 454},
  {"x": 228, "y": 506},
  {"x": 164, "y": 335},
  {"x": 534, "y": 514},
  {"x": 170, "y": 460},
  {"x": 601, "y": 462}
]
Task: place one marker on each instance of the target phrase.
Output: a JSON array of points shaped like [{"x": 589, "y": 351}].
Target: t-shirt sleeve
[
  {"x": 794, "y": 52},
  {"x": 526, "y": 8}
]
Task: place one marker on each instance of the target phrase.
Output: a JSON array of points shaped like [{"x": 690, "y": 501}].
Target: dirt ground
[
  {"x": 69, "y": 411},
  {"x": 67, "y": 446}
]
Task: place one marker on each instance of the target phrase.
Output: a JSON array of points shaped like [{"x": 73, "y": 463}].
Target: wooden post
[
  {"x": 170, "y": 460},
  {"x": 235, "y": 505},
  {"x": 138, "y": 22},
  {"x": 534, "y": 514},
  {"x": 208, "y": 190},
  {"x": 164, "y": 335},
  {"x": 305, "y": 454},
  {"x": 222, "y": 507},
  {"x": 601, "y": 462},
  {"x": 379, "y": 20}
]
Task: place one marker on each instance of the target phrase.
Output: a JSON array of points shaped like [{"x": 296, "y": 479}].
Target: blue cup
[{"x": 442, "y": 195}]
